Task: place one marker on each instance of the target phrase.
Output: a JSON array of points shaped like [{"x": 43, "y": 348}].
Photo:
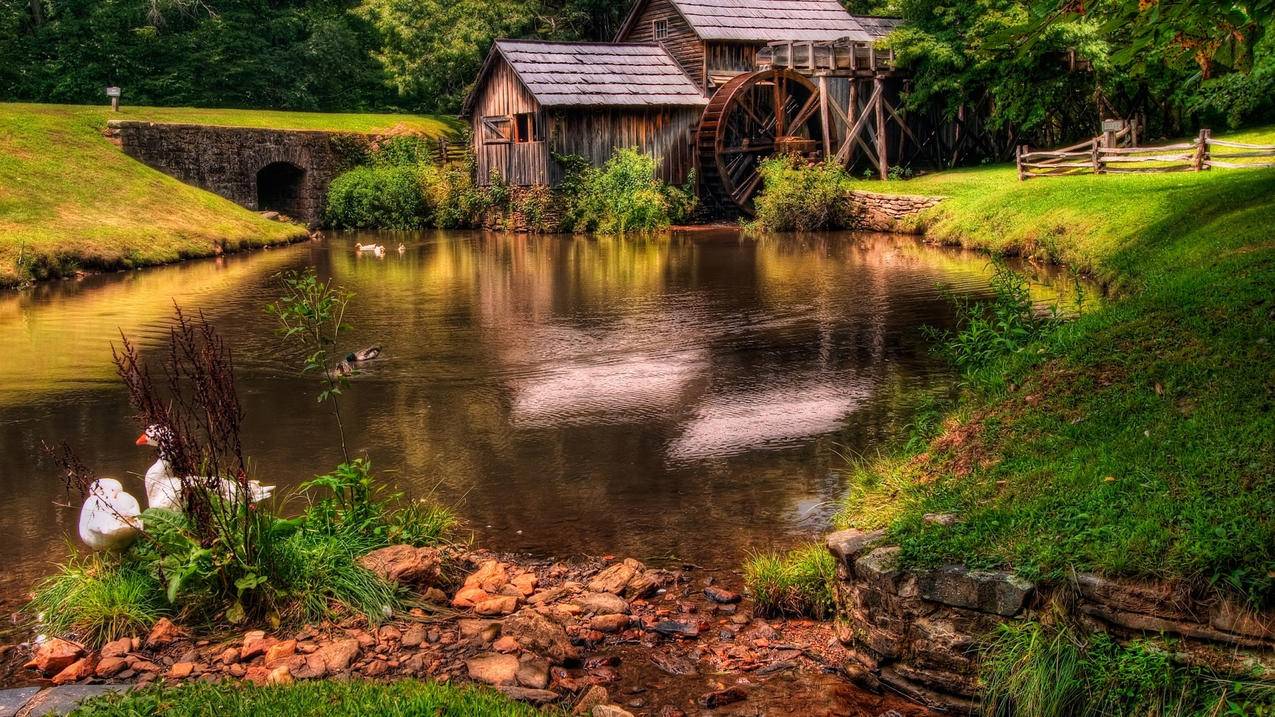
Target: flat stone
[
  {"x": 612, "y": 580},
  {"x": 528, "y": 694},
  {"x": 404, "y": 564},
  {"x": 13, "y": 700},
  {"x": 994, "y": 592},
  {"x": 539, "y": 634},
  {"x": 722, "y": 595},
  {"x": 493, "y": 669},
  {"x": 880, "y": 568},
  {"x": 61, "y": 700},
  {"x": 497, "y": 606},
  {"x": 414, "y": 636},
  {"x": 111, "y": 666},
  {"x": 848, "y": 545},
  {"x": 470, "y": 628},
  {"x": 602, "y": 603},
  {"x": 491, "y": 576},
  {"x": 673, "y": 628},
  {"x": 609, "y": 623},
  {"x": 943, "y": 519},
  {"x": 533, "y": 671},
  {"x": 117, "y": 648}
]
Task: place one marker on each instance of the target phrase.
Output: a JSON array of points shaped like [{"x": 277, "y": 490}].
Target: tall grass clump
[
  {"x": 799, "y": 582},
  {"x": 798, "y": 196},
  {"x": 98, "y": 600},
  {"x": 624, "y": 195},
  {"x": 376, "y": 197},
  {"x": 1056, "y": 670}
]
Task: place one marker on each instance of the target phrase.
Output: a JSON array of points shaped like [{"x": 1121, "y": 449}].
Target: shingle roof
[
  {"x": 771, "y": 20},
  {"x": 878, "y": 26},
  {"x": 600, "y": 74}
]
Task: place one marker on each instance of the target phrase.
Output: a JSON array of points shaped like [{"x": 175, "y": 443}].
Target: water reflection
[{"x": 688, "y": 395}]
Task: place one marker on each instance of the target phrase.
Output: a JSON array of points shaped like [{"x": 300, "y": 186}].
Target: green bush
[
  {"x": 624, "y": 195},
  {"x": 98, "y": 601},
  {"x": 377, "y": 197},
  {"x": 797, "y": 583},
  {"x": 1042, "y": 670},
  {"x": 798, "y": 196}
]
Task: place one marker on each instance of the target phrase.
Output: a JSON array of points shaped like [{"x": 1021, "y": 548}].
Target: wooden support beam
[
  {"x": 825, "y": 121},
  {"x": 878, "y": 94}
]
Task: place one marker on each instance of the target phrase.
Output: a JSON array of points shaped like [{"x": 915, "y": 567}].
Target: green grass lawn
[
  {"x": 1137, "y": 440},
  {"x": 70, "y": 200},
  {"x": 327, "y": 698}
]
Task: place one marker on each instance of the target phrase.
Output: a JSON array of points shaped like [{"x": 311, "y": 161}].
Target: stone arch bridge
[{"x": 287, "y": 171}]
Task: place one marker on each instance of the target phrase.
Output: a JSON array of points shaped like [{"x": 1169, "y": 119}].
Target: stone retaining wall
[
  {"x": 875, "y": 212},
  {"x": 920, "y": 632},
  {"x": 229, "y": 161}
]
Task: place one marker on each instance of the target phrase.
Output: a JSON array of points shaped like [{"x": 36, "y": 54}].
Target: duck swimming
[{"x": 111, "y": 518}]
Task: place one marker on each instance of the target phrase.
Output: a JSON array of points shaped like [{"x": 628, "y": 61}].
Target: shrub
[
  {"x": 799, "y": 196},
  {"x": 404, "y": 151},
  {"x": 377, "y": 197},
  {"x": 624, "y": 195},
  {"x": 98, "y": 601},
  {"x": 452, "y": 198},
  {"x": 797, "y": 583}
]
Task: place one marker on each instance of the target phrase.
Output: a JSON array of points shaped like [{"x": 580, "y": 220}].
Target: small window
[
  {"x": 527, "y": 128},
  {"x": 497, "y": 130},
  {"x": 661, "y": 30}
]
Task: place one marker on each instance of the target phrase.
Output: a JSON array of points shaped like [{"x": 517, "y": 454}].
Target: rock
[
  {"x": 531, "y": 696},
  {"x": 493, "y": 669},
  {"x": 526, "y": 584},
  {"x": 550, "y": 595},
  {"x": 610, "y": 711},
  {"x": 270, "y": 216},
  {"x": 405, "y": 564},
  {"x": 163, "y": 634},
  {"x": 255, "y": 643},
  {"x": 81, "y": 669},
  {"x": 472, "y": 628},
  {"x": 533, "y": 671},
  {"x": 435, "y": 596},
  {"x": 117, "y": 648},
  {"x": 469, "y": 597},
  {"x": 414, "y": 636},
  {"x": 609, "y": 623},
  {"x": 335, "y": 656},
  {"x": 594, "y": 696},
  {"x": 721, "y": 595},
  {"x": 612, "y": 580},
  {"x": 181, "y": 670},
  {"x": 258, "y": 674},
  {"x": 847, "y": 545},
  {"x": 943, "y": 519},
  {"x": 143, "y": 666},
  {"x": 13, "y": 700},
  {"x": 389, "y": 634},
  {"x": 880, "y": 568},
  {"x": 229, "y": 656},
  {"x": 997, "y": 593},
  {"x": 109, "y": 667},
  {"x": 376, "y": 669},
  {"x": 62, "y": 700},
  {"x": 602, "y": 603},
  {"x": 491, "y": 576},
  {"x": 540, "y": 635},
  {"x": 673, "y": 628},
  {"x": 506, "y": 644},
  {"x": 279, "y": 676},
  {"x": 721, "y": 698},
  {"x": 54, "y": 656},
  {"x": 280, "y": 651},
  {"x": 503, "y": 605},
  {"x": 643, "y": 585}
]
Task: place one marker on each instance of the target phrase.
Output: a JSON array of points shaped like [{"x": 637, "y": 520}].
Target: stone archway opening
[{"x": 279, "y": 189}]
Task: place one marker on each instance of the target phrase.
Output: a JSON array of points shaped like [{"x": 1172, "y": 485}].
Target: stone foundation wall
[
  {"x": 530, "y": 210},
  {"x": 920, "y": 632},
  {"x": 885, "y": 212},
  {"x": 227, "y": 160}
]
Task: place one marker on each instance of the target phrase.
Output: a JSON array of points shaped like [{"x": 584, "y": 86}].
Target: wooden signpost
[{"x": 114, "y": 94}]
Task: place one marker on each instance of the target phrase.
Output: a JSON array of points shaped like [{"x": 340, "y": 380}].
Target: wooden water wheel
[{"x": 752, "y": 117}]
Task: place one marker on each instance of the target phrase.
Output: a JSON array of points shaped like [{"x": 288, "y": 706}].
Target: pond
[{"x": 690, "y": 397}]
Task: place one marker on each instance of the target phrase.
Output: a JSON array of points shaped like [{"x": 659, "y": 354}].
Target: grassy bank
[
  {"x": 70, "y": 200},
  {"x": 1138, "y": 440},
  {"x": 331, "y": 698}
]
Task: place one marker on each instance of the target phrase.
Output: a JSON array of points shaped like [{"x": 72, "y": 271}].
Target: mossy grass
[
  {"x": 329, "y": 698},
  {"x": 799, "y": 582},
  {"x": 1055, "y": 670},
  {"x": 1137, "y": 440},
  {"x": 71, "y": 201}
]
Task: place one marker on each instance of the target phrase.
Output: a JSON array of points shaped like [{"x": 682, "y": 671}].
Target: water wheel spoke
[
  {"x": 807, "y": 111},
  {"x": 751, "y": 149},
  {"x": 745, "y": 193}
]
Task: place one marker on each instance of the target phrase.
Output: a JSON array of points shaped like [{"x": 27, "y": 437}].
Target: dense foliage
[
  {"x": 799, "y": 196},
  {"x": 624, "y": 195}
]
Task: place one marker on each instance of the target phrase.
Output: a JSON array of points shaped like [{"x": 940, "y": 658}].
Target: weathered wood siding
[
  {"x": 682, "y": 43},
  {"x": 520, "y": 164},
  {"x": 724, "y": 60},
  {"x": 595, "y": 134}
]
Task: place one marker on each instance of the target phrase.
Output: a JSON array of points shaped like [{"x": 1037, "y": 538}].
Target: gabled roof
[
  {"x": 878, "y": 27},
  {"x": 766, "y": 20},
  {"x": 591, "y": 74}
]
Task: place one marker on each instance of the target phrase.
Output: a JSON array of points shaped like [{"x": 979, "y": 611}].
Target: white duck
[
  {"x": 110, "y": 518},
  {"x": 402, "y": 248},
  {"x": 376, "y": 249},
  {"x": 164, "y": 488}
]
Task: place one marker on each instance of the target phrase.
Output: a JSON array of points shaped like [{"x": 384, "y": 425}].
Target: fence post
[
  {"x": 1097, "y": 162},
  {"x": 1018, "y": 159},
  {"x": 1200, "y": 161}
]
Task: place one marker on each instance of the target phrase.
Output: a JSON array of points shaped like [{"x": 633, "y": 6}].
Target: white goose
[
  {"x": 164, "y": 488},
  {"x": 376, "y": 249},
  {"x": 110, "y": 518}
]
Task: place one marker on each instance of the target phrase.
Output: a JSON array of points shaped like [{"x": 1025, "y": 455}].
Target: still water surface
[{"x": 691, "y": 397}]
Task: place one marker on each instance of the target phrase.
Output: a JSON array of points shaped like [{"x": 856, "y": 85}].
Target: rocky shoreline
[{"x": 599, "y": 637}]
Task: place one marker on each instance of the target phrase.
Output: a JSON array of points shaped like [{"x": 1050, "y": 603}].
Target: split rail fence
[{"x": 1105, "y": 154}]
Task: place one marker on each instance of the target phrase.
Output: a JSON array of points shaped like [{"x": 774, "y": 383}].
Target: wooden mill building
[{"x": 710, "y": 85}]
